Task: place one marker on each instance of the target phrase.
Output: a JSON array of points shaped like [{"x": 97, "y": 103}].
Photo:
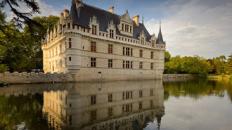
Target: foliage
[
  {"x": 167, "y": 56},
  {"x": 198, "y": 65},
  {"x": 17, "y": 109},
  {"x": 21, "y": 17},
  {"x": 20, "y": 50},
  {"x": 196, "y": 89},
  {"x": 190, "y": 65}
]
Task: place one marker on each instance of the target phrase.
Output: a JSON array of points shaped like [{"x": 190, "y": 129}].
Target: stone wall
[
  {"x": 178, "y": 77},
  {"x": 24, "y": 77}
]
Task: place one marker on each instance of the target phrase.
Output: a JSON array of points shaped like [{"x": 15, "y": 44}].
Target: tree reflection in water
[{"x": 197, "y": 89}]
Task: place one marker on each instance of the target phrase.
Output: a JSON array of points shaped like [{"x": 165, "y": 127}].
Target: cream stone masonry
[{"x": 95, "y": 44}]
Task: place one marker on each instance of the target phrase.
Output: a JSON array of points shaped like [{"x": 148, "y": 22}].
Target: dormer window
[
  {"x": 111, "y": 33},
  {"x": 94, "y": 29},
  {"x": 142, "y": 40},
  {"x": 127, "y": 28},
  {"x": 122, "y": 27}
]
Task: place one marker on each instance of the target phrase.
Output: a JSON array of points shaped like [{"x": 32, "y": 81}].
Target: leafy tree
[
  {"x": 167, "y": 56},
  {"x": 229, "y": 65}
]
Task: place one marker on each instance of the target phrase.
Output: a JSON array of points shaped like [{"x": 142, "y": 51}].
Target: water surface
[{"x": 124, "y": 105}]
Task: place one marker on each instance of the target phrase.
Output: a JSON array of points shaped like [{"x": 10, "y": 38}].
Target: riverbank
[
  {"x": 31, "y": 78},
  {"x": 224, "y": 78}
]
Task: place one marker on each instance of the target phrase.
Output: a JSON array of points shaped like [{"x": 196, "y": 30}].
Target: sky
[{"x": 189, "y": 27}]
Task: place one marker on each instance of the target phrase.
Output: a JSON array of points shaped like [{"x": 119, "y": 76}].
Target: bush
[{"x": 3, "y": 68}]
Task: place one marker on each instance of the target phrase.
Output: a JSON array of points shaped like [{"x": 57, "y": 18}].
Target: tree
[
  {"x": 229, "y": 64},
  {"x": 22, "y": 16},
  {"x": 167, "y": 56},
  {"x": 20, "y": 50}
]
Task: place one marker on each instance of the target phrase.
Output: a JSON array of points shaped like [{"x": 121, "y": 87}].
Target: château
[{"x": 92, "y": 43}]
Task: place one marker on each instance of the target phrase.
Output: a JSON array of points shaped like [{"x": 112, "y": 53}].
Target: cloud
[
  {"x": 196, "y": 28},
  {"x": 46, "y": 9}
]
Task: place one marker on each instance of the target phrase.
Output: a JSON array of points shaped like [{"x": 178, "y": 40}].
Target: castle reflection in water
[{"x": 124, "y": 105}]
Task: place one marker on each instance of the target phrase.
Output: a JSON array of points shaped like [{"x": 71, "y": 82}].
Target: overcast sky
[{"x": 190, "y": 27}]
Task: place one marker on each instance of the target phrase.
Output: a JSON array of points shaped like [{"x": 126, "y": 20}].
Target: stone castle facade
[{"x": 96, "y": 44}]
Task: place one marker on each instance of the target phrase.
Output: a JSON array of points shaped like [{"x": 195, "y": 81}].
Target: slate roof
[
  {"x": 82, "y": 15},
  {"x": 160, "y": 38}
]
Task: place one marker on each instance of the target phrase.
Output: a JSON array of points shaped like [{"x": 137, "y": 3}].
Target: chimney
[
  {"x": 136, "y": 20},
  {"x": 111, "y": 9},
  {"x": 66, "y": 13}
]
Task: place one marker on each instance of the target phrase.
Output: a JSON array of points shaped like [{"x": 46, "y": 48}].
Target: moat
[{"x": 124, "y": 105}]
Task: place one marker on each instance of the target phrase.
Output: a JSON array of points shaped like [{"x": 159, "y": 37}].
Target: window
[
  {"x": 140, "y": 106},
  {"x": 130, "y": 29},
  {"x": 140, "y": 53},
  {"x": 131, "y": 65},
  {"x": 93, "y": 47},
  {"x": 68, "y": 25},
  {"x": 152, "y": 64},
  {"x": 70, "y": 119},
  {"x": 152, "y": 55},
  {"x": 93, "y": 99},
  {"x": 94, "y": 29},
  {"x": 110, "y": 48},
  {"x": 126, "y": 28},
  {"x": 140, "y": 93},
  {"x": 131, "y": 52},
  {"x": 140, "y": 65},
  {"x": 110, "y": 97},
  {"x": 123, "y": 64},
  {"x": 70, "y": 58},
  {"x": 123, "y": 51},
  {"x": 93, "y": 115},
  {"x": 122, "y": 27},
  {"x": 70, "y": 43},
  {"x": 110, "y": 63},
  {"x": 127, "y": 64},
  {"x": 93, "y": 62},
  {"x": 142, "y": 40},
  {"x": 110, "y": 111},
  {"x": 111, "y": 33}
]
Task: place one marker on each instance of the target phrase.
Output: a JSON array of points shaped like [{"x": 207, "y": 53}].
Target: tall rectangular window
[
  {"x": 93, "y": 62},
  {"x": 152, "y": 66},
  {"x": 123, "y": 64},
  {"x": 152, "y": 55},
  {"x": 110, "y": 111},
  {"x": 140, "y": 53},
  {"x": 126, "y": 28},
  {"x": 110, "y": 48},
  {"x": 70, "y": 43},
  {"x": 131, "y": 65},
  {"x": 122, "y": 27},
  {"x": 110, "y": 63},
  {"x": 110, "y": 97},
  {"x": 142, "y": 40},
  {"x": 93, "y": 47},
  {"x": 93, "y": 99},
  {"x": 140, "y": 65},
  {"x": 94, "y": 29},
  {"x": 111, "y": 33},
  {"x": 131, "y": 52},
  {"x": 140, "y": 106},
  {"x": 123, "y": 51}
]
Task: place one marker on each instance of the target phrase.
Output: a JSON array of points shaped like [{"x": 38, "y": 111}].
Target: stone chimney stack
[
  {"x": 111, "y": 9},
  {"x": 66, "y": 13},
  {"x": 136, "y": 20}
]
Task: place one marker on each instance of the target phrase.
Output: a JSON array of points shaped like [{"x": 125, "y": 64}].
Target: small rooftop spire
[{"x": 160, "y": 36}]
